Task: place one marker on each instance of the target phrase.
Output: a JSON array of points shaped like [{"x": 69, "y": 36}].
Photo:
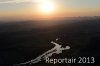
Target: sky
[{"x": 26, "y": 9}]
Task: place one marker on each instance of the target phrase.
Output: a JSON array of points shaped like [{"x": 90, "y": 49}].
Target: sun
[{"x": 46, "y": 7}]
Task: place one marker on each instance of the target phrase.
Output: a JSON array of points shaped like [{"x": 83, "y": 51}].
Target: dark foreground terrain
[{"x": 23, "y": 41}]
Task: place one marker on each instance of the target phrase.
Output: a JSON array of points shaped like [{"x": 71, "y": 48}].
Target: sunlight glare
[{"x": 46, "y": 7}]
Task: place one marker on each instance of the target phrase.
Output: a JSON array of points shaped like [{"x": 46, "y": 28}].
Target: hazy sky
[{"x": 29, "y": 8}]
